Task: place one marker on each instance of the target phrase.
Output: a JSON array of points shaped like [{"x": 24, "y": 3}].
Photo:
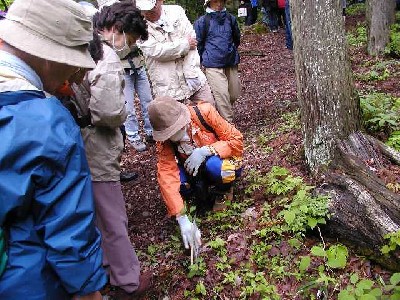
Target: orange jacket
[{"x": 228, "y": 144}]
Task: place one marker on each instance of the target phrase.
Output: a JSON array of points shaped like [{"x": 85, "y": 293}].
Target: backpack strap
[
  {"x": 207, "y": 19},
  {"x": 235, "y": 33},
  {"x": 202, "y": 121}
]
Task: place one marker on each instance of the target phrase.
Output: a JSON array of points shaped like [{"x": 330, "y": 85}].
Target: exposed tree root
[{"x": 363, "y": 209}]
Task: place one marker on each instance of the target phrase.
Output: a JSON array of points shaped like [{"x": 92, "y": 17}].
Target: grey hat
[
  {"x": 167, "y": 117},
  {"x": 56, "y": 30}
]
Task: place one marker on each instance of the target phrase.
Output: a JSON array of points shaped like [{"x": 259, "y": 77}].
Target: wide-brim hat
[
  {"x": 145, "y": 4},
  {"x": 56, "y": 30},
  {"x": 167, "y": 116}
]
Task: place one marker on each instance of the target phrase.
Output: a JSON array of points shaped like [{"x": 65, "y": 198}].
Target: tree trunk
[
  {"x": 329, "y": 105},
  {"x": 380, "y": 15},
  {"x": 363, "y": 210}
]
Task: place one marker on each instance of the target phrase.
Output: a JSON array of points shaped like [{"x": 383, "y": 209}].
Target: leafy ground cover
[{"x": 267, "y": 245}]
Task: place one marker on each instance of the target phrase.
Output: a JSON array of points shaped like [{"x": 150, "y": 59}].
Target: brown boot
[{"x": 145, "y": 283}]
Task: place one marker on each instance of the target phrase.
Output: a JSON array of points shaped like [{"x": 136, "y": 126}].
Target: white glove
[
  {"x": 191, "y": 235},
  {"x": 194, "y": 161},
  {"x": 193, "y": 83}
]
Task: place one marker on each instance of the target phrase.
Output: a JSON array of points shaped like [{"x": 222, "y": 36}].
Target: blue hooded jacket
[
  {"x": 218, "y": 47},
  {"x": 46, "y": 204}
]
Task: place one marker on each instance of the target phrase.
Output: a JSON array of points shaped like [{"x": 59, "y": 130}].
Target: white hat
[
  {"x": 89, "y": 8},
  {"x": 103, "y": 3},
  {"x": 145, "y": 4},
  {"x": 56, "y": 30},
  {"x": 208, "y": 1}
]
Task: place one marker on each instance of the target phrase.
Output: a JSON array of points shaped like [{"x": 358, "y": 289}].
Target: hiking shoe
[
  {"x": 138, "y": 145},
  {"x": 145, "y": 283},
  {"x": 128, "y": 176},
  {"x": 149, "y": 139}
]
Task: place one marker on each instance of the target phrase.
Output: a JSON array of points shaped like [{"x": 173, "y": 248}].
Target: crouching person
[{"x": 199, "y": 154}]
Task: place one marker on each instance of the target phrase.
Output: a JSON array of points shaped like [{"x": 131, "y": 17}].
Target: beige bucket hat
[
  {"x": 167, "y": 116},
  {"x": 56, "y": 30},
  {"x": 145, "y": 4}
]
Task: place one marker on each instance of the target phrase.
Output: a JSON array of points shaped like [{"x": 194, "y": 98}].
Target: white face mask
[
  {"x": 180, "y": 136},
  {"x": 185, "y": 145},
  {"x": 121, "y": 52}
]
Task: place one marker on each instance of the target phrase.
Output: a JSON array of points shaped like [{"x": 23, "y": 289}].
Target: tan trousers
[
  {"x": 119, "y": 256},
  {"x": 225, "y": 86}
]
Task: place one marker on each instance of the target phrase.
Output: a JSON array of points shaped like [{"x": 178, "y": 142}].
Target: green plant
[
  {"x": 368, "y": 289},
  {"x": 251, "y": 283},
  {"x": 360, "y": 289},
  {"x": 357, "y": 37},
  {"x": 394, "y": 140},
  {"x": 259, "y": 255},
  {"x": 198, "y": 268},
  {"x": 393, "y": 47},
  {"x": 377, "y": 74},
  {"x": 8, "y": 3},
  {"x": 336, "y": 256},
  {"x": 291, "y": 121},
  {"x": 355, "y": 9},
  {"x": 380, "y": 112},
  {"x": 394, "y": 242}
]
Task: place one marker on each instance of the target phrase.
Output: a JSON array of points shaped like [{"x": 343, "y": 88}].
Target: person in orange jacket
[{"x": 198, "y": 152}]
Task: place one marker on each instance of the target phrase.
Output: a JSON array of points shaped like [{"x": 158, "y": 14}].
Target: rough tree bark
[
  {"x": 380, "y": 16},
  {"x": 363, "y": 209}
]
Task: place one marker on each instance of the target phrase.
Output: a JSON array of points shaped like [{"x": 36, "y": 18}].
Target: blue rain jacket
[
  {"x": 46, "y": 204},
  {"x": 218, "y": 47}
]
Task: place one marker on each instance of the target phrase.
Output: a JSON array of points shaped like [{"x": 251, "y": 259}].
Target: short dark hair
[{"x": 125, "y": 16}]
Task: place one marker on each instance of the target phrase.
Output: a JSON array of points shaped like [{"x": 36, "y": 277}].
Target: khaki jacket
[
  {"x": 168, "y": 58},
  {"x": 103, "y": 140},
  {"x": 228, "y": 144}
]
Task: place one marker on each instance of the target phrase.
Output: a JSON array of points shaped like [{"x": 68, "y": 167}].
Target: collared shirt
[{"x": 16, "y": 68}]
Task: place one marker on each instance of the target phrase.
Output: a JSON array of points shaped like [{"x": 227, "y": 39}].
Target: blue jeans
[
  {"x": 265, "y": 18},
  {"x": 289, "y": 40},
  {"x": 137, "y": 81}
]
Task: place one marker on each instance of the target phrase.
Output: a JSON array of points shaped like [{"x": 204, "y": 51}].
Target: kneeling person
[{"x": 198, "y": 151}]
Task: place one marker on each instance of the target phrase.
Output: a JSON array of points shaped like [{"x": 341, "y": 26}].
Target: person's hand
[
  {"x": 191, "y": 235},
  {"x": 193, "y": 83},
  {"x": 91, "y": 296},
  {"x": 194, "y": 161},
  {"x": 192, "y": 42}
]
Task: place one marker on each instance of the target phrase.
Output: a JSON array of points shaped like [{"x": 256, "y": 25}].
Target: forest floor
[{"x": 236, "y": 260}]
